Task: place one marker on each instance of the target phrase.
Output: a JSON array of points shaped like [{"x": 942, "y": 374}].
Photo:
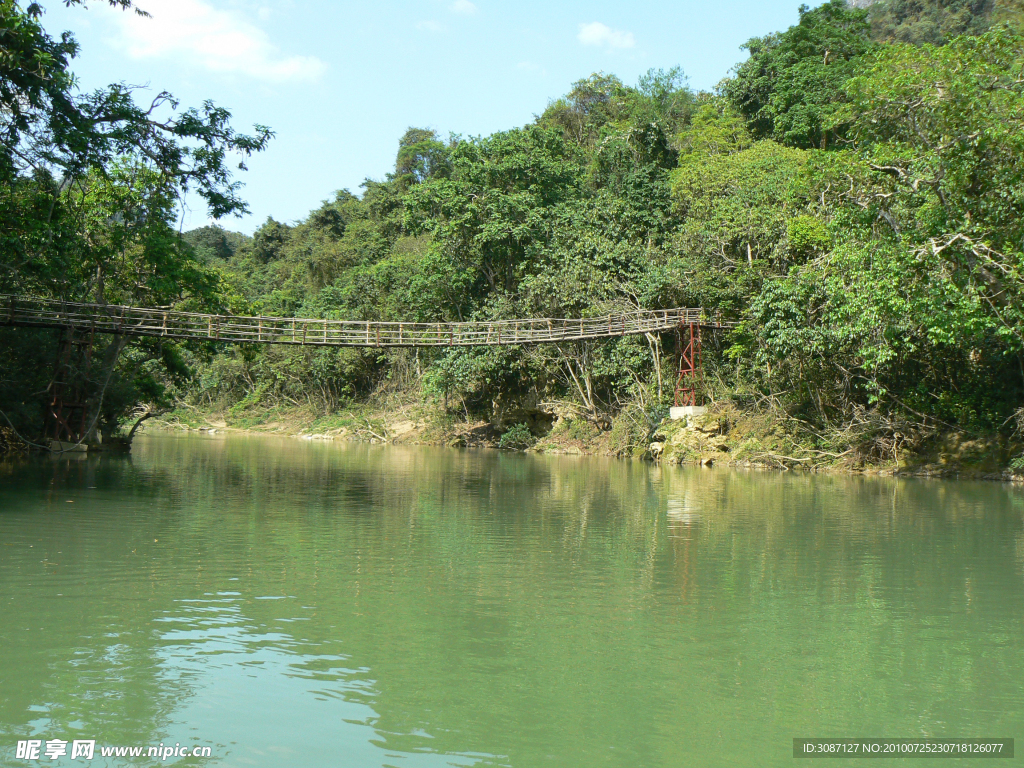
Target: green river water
[{"x": 288, "y": 603}]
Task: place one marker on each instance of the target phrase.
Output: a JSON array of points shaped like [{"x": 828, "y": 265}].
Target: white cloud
[
  {"x": 596, "y": 33},
  {"x": 429, "y": 26},
  {"x": 219, "y": 41},
  {"x": 463, "y": 6}
]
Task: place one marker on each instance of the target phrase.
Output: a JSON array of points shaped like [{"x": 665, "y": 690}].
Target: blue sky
[{"x": 341, "y": 81}]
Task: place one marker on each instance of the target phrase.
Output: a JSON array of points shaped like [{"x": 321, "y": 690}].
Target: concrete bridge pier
[{"x": 686, "y": 411}]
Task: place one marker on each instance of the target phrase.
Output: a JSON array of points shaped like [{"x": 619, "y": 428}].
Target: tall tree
[
  {"x": 788, "y": 87},
  {"x": 89, "y": 184}
]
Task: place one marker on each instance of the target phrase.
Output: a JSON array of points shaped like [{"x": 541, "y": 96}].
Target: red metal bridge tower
[{"x": 691, "y": 375}]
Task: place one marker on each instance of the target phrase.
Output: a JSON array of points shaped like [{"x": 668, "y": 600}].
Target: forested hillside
[
  {"x": 852, "y": 196},
  {"x": 936, "y": 21}
]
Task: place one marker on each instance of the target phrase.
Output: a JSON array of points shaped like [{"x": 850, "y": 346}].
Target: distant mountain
[{"x": 927, "y": 21}]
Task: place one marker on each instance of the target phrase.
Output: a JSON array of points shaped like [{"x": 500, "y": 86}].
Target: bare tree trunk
[
  {"x": 94, "y": 404},
  {"x": 654, "y": 342},
  {"x": 581, "y": 361},
  {"x": 142, "y": 418}
]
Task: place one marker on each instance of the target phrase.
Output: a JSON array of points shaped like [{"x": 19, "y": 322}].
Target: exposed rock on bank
[
  {"x": 727, "y": 435},
  {"x": 10, "y": 445}
]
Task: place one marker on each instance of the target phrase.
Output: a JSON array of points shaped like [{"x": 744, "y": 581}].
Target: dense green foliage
[
  {"x": 855, "y": 205},
  {"x": 788, "y": 86}
]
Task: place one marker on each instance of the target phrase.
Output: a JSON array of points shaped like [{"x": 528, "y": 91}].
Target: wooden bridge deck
[{"x": 136, "y": 321}]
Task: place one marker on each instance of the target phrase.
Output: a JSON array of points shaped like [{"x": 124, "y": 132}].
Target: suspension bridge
[
  {"x": 172, "y": 324},
  {"x": 82, "y": 321}
]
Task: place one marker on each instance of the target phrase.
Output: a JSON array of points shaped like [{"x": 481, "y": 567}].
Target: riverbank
[
  {"x": 727, "y": 435},
  {"x": 10, "y": 443}
]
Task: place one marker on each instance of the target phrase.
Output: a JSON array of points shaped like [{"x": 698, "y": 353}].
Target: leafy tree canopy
[{"x": 788, "y": 87}]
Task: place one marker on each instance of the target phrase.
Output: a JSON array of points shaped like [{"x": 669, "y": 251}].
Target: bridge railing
[{"x": 138, "y": 321}]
